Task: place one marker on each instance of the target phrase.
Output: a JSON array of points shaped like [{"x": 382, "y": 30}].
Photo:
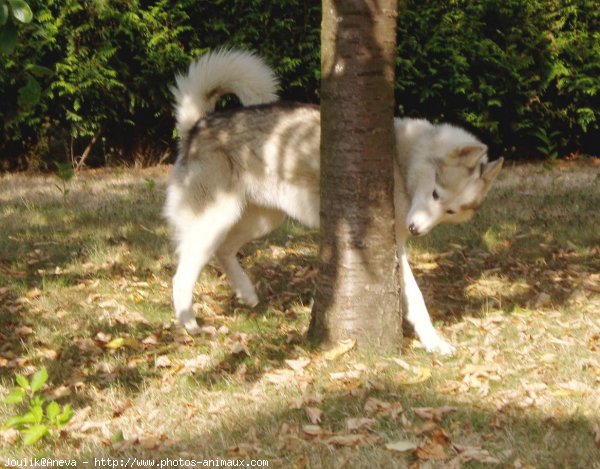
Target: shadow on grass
[
  {"x": 129, "y": 221},
  {"x": 538, "y": 252},
  {"x": 520, "y": 436},
  {"x": 48, "y": 254},
  {"x": 553, "y": 265}
]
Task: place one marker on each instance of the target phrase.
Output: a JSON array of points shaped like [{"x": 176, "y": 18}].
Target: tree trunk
[{"x": 358, "y": 287}]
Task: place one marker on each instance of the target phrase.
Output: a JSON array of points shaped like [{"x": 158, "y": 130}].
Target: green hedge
[{"x": 523, "y": 74}]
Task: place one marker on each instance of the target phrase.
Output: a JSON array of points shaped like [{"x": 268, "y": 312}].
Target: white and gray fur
[{"x": 240, "y": 173}]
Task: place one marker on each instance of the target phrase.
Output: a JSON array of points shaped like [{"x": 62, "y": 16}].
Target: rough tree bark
[{"x": 358, "y": 287}]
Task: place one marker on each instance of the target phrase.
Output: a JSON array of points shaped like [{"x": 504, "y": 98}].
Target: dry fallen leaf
[
  {"x": 238, "y": 348},
  {"x": 360, "y": 423},
  {"x": 401, "y": 446},
  {"x": 345, "y": 375},
  {"x": 314, "y": 414},
  {"x": 375, "y": 406},
  {"x": 299, "y": 364},
  {"x": 150, "y": 442},
  {"x": 24, "y": 331},
  {"x": 244, "y": 450},
  {"x": 439, "y": 436},
  {"x": 47, "y": 353},
  {"x": 120, "y": 342},
  {"x": 33, "y": 293},
  {"x": 596, "y": 429},
  {"x": 193, "y": 365},
  {"x": 80, "y": 417},
  {"x": 542, "y": 300},
  {"x": 431, "y": 450},
  {"x": 352, "y": 440},
  {"x": 209, "y": 330},
  {"x": 570, "y": 388},
  {"x": 103, "y": 337},
  {"x": 312, "y": 430},
  {"x": 87, "y": 345},
  {"x": 162, "y": 361},
  {"x": 121, "y": 407},
  {"x": 281, "y": 377},
  {"x": 416, "y": 375},
  {"x": 434, "y": 413},
  {"x": 343, "y": 346},
  {"x": 151, "y": 340},
  {"x": 306, "y": 399},
  {"x": 8, "y": 436},
  {"x": 473, "y": 453},
  {"x": 427, "y": 427}
]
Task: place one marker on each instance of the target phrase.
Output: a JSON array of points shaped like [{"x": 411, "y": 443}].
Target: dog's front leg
[{"x": 416, "y": 311}]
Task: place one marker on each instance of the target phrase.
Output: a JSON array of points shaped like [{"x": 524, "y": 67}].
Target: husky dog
[{"x": 240, "y": 173}]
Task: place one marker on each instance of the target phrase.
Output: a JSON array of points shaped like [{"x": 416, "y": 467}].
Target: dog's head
[{"x": 450, "y": 180}]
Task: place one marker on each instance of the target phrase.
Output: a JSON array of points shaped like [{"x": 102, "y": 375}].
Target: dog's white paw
[
  {"x": 191, "y": 326},
  {"x": 248, "y": 298},
  {"x": 440, "y": 346},
  {"x": 433, "y": 342}
]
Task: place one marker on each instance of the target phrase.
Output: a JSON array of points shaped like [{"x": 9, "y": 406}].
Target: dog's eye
[
  {"x": 450, "y": 212},
  {"x": 435, "y": 195}
]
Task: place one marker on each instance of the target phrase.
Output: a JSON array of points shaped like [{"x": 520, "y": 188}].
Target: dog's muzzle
[{"x": 413, "y": 229}]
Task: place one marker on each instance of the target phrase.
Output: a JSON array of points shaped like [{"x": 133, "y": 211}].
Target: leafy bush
[
  {"x": 512, "y": 70},
  {"x": 113, "y": 63},
  {"x": 12, "y": 13},
  {"x": 37, "y": 421}
]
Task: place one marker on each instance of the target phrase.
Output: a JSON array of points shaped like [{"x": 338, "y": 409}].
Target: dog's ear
[
  {"x": 491, "y": 170},
  {"x": 467, "y": 155}
]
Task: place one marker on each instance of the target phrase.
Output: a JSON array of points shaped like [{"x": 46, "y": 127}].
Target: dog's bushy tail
[{"x": 225, "y": 71}]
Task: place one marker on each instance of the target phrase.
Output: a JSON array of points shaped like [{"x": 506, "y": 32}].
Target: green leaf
[
  {"x": 52, "y": 411},
  {"x": 21, "y": 11},
  {"x": 34, "y": 434},
  {"x": 39, "y": 70},
  {"x": 22, "y": 381},
  {"x": 30, "y": 94},
  {"x": 65, "y": 416},
  {"x": 9, "y": 37},
  {"x": 150, "y": 184},
  {"x": 37, "y": 401},
  {"x": 38, "y": 414},
  {"x": 64, "y": 171},
  {"x": 3, "y": 13},
  {"x": 20, "y": 421},
  {"x": 543, "y": 150},
  {"x": 16, "y": 396},
  {"x": 117, "y": 437},
  {"x": 119, "y": 342},
  {"x": 39, "y": 379}
]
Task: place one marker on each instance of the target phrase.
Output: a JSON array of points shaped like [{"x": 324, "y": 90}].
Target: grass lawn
[{"x": 85, "y": 291}]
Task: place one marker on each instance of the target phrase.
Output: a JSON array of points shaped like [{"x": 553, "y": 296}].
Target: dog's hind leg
[
  {"x": 254, "y": 223},
  {"x": 301, "y": 203},
  {"x": 197, "y": 240}
]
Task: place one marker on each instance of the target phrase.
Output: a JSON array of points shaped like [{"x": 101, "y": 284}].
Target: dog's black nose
[{"x": 413, "y": 229}]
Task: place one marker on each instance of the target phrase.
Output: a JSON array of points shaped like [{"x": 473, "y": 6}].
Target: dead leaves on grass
[
  {"x": 434, "y": 414},
  {"x": 437, "y": 445},
  {"x": 426, "y": 440}
]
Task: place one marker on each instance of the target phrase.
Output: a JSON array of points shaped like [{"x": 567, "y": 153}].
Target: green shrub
[
  {"x": 37, "y": 421},
  {"x": 511, "y": 70}
]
